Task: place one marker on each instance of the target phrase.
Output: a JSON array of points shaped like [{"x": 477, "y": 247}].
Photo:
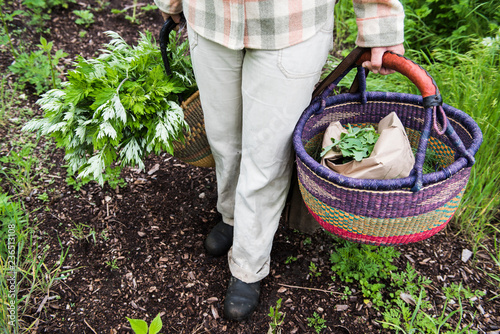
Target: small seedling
[
  {"x": 313, "y": 270},
  {"x": 277, "y": 318},
  {"x": 43, "y": 197},
  {"x": 347, "y": 293},
  {"x": 290, "y": 259},
  {"x": 307, "y": 241},
  {"x": 141, "y": 327},
  {"x": 317, "y": 322},
  {"x": 112, "y": 265},
  {"x": 85, "y": 17}
]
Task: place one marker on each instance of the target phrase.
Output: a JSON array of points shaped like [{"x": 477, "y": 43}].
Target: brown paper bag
[{"x": 391, "y": 157}]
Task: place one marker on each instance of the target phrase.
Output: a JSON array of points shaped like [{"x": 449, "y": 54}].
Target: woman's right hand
[{"x": 175, "y": 17}]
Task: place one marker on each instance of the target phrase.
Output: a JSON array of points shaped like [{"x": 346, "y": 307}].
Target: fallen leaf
[{"x": 407, "y": 298}]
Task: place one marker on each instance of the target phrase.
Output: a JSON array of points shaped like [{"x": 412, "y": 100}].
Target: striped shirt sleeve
[{"x": 380, "y": 22}]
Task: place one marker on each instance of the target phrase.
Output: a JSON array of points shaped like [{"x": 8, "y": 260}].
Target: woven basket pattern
[
  {"x": 195, "y": 150},
  {"x": 378, "y": 216}
]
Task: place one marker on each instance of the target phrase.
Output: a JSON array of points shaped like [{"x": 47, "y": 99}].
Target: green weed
[
  {"x": 38, "y": 68},
  {"x": 18, "y": 167},
  {"x": 366, "y": 265},
  {"x": 39, "y": 10},
  {"x": 317, "y": 322},
  {"x": 313, "y": 270},
  {"x": 277, "y": 318},
  {"x": 135, "y": 6},
  {"x": 449, "y": 24},
  {"x": 6, "y": 18},
  {"x": 25, "y": 278},
  {"x": 141, "y": 327},
  {"x": 82, "y": 231},
  {"x": 112, "y": 264},
  {"x": 85, "y": 17}
]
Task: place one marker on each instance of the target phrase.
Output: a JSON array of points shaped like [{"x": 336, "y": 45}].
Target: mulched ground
[{"x": 148, "y": 257}]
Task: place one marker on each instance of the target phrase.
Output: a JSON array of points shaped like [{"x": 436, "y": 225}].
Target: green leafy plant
[
  {"x": 314, "y": 270},
  {"x": 6, "y": 18},
  {"x": 85, "y": 17},
  {"x": 40, "y": 10},
  {"x": 10, "y": 99},
  {"x": 25, "y": 260},
  {"x": 141, "y": 327},
  {"x": 347, "y": 293},
  {"x": 367, "y": 265},
  {"x": 317, "y": 322},
  {"x": 457, "y": 291},
  {"x": 119, "y": 107},
  {"x": 277, "y": 318},
  {"x": 290, "y": 259},
  {"x": 101, "y": 5},
  {"x": 449, "y": 24},
  {"x": 113, "y": 265},
  {"x": 19, "y": 168},
  {"x": 356, "y": 144},
  {"x": 38, "y": 66},
  {"x": 83, "y": 231},
  {"x": 134, "y": 17},
  {"x": 44, "y": 197},
  {"x": 401, "y": 318},
  {"x": 307, "y": 241}
]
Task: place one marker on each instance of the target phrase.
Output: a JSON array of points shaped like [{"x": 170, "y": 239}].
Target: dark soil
[{"x": 147, "y": 256}]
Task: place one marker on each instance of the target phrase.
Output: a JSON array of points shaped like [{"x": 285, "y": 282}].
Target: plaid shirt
[{"x": 276, "y": 24}]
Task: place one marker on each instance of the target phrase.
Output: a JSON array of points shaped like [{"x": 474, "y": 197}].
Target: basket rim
[{"x": 374, "y": 184}]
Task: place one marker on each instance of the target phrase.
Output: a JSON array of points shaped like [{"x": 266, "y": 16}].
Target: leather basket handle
[{"x": 419, "y": 76}]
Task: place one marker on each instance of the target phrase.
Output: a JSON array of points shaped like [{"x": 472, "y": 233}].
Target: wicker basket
[
  {"x": 396, "y": 211},
  {"x": 195, "y": 149}
]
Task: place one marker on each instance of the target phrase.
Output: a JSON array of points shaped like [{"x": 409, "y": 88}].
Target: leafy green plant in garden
[
  {"x": 9, "y": 98},
  {"x": 347, "y": 293},
  {"x": 101, "y": 5},
  {"x": 357, "y": 143},
  {"x": 366, "y": 265},
  {"x": 40, "y": 10},
  {"x": 18, "y": 167},
  {"x": 401, "y": 318},
  {"x": 277, "y": 318},
  {"x": 135, "y": 6},
  {"x": 400, "y": 296},
  {"x": 112, "y": 264},
  {"x": 449, "y": 24},
  {"x": 317, "y": 322},
  {"x": 38, "y": 67},
  {"x": 85, "y": 17},
  {"x": 141, "y": 327},
  {"x": 6, "y": 18},
  {"x": 82, "y": 231},
  {"x": 457, "y": 291},
  {"x": 26, "y": 260},
  {"x": 314, "y": 270},
  {"x": 118, "y": 107}
]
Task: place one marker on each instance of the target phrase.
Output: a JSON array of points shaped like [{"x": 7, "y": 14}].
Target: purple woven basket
[{"x": 396, "y": 211}]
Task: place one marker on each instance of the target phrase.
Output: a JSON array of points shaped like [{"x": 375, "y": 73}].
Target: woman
[{"x": 256, "y": 63}]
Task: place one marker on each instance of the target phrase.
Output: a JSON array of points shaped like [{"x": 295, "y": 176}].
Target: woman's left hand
[{"x": 375, "y": 64}]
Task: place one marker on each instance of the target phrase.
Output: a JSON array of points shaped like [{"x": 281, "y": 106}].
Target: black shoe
[
  {"x": 219, "y": 240},
  {"x": 241, "y": 299}
]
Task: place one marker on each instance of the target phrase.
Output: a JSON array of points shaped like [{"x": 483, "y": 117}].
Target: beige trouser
[{"x": 252, "y": 100}]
